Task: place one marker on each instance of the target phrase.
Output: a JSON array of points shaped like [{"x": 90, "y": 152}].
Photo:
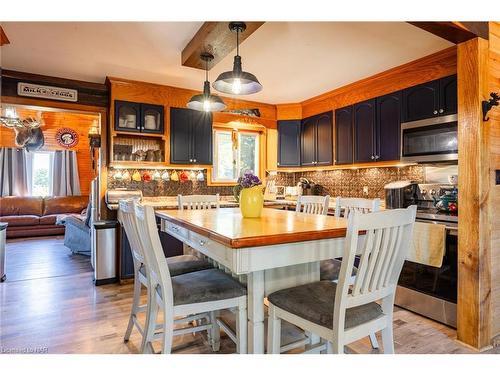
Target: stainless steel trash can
[
  {"x": 3, "y": 236},
  {"x": 103, "y": 255}
]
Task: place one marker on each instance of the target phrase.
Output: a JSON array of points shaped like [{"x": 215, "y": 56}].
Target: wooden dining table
[{"x": 278, "y": 250}]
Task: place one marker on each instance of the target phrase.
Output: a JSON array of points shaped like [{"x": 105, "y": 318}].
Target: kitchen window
[{"x": 235, "y": 152}]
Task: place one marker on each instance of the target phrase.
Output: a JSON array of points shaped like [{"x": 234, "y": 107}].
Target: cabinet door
[
  {"x": 448, "y": 95},
  {"x": 307, "y": 141},
  {"x": 289, "y": 143},
  {"x": 343, "y": 136},
  {"x": 180, "y": 136},
  {"x": 202, "y": 137},
  {"x": 421, "y": 101},
  {"x": 127, "y": 116},
  {"x": 324, "y": 141},
  {"x": 152, "y": 120},
  {"x": 364, "y": 131},
  {"x": 388, "y": 132}
]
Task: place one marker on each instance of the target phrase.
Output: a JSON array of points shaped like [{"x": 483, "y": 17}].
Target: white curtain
[
  {"x": 65, "y": 179},
  {"x": 14, "y": 175}
]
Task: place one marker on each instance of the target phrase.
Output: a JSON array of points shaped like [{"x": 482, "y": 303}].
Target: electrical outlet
[{"x": 365, "y": 190}]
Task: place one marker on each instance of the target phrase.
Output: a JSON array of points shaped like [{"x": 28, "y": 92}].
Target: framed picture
[{"x": 67, "y": 137}]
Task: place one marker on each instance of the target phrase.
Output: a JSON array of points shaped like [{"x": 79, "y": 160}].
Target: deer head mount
[{"x": 29, "y": 135}]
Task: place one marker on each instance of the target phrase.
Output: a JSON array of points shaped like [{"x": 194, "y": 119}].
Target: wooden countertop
[{"x": 227, "y": 226}]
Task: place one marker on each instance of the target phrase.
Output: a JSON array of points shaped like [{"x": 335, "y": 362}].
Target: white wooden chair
[
  {"x": 198, "y": 202},
  {"x": 342, "y": 313},
  {"x": 178, "y": 265},
  {"x": 312, "y": 204},
  {"x": 186, "y": 295},
  {"x": 349, "y": 205}
]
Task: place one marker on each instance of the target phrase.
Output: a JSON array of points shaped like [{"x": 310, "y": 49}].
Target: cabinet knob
[
  {"x": 278, "y": 163},
  {"x": 435, "y": 112},
  {"x": 373, "y": 157},
  {"x": 377, "y": 157},
  {"x": 194, "y": 160},
  {"x": 190, "y": 160},
  {"x": 441, "y": 110}
]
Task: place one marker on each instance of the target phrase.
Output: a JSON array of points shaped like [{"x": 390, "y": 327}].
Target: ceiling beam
[
  {"x": 216, "y": 38},
  {"x": 455, "y": 32},
  {"x": 3, "y": 37}
]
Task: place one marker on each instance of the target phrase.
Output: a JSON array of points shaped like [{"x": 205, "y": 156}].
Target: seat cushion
[
  {"x": 330, "y": 269},
  {"x": 314, "y": 302},
  {"x": 48, "y": 220},
  {"x": 204, "y": 286},
  {"x": 21, "y": 220},
  {"x": 182, "y": 264}
]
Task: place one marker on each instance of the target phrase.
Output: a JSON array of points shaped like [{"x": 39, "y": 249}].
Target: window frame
[{"x": 260, "y": 133}]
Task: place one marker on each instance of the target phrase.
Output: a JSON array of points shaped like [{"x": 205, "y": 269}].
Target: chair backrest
[
  {"x": 313, "y": 204},
  {"x": 350, "y": 205},
  {"x": 387, "y": 241},
  {"x": 198, "y": 202},
  {"x": 126, "y": 216},
  {"x": 155, "y": 261}
]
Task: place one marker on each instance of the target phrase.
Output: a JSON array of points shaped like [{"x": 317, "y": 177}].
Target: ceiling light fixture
[
  {"x": 237, "y": 81},
  {"x": 206, "y": 102}
]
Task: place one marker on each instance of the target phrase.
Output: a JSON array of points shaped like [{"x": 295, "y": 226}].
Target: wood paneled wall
[
  {"x": 80, "y": 123},
  {"x": 494, "y": 131}
]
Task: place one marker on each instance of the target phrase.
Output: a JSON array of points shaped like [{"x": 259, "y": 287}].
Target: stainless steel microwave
[{"x": 430, "y": 140}]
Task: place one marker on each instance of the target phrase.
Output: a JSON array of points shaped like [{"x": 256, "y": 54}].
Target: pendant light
[
  {"x": 206, "y": 102},
  {"x": 237, "y": 81}
]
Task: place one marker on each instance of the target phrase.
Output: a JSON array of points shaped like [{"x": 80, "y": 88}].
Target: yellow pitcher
[{"x": 251, "y": 201}]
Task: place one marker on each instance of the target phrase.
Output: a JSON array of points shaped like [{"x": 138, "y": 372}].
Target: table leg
[{"x": 255, "y": 285}]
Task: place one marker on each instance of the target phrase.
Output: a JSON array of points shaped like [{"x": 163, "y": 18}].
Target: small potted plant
[{"x": 249, "y": 194}]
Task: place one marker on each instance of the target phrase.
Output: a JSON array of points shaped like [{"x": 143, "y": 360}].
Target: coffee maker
[{"x": 401, "y": 194}]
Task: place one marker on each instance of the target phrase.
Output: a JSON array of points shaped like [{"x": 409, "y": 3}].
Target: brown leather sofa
[{"x": 36, "y": 216}]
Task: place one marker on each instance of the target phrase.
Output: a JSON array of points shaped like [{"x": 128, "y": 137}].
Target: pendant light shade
[
  {"x": 237, "y": 81},
  {"x": 206, "y": 102}
]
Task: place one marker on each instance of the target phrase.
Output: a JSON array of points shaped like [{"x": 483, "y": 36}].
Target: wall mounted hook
[{"x": 488, "y": 104}]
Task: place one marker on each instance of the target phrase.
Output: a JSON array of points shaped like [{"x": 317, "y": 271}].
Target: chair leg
[
  {"x": 241, "y": 329},
  {"x": 168, "y": 332},
  {"x": 334, "y": 348},
  {"x": 147, "y": 323},
  {"x": 214, "y": 331},
  {"x": 135, "y": 305},
  {"x": 388, "y": 339},
  {"x": 273, "y": 331},
  {"x": 149, "y": 329},
  {"x": 374, "y": 341}
]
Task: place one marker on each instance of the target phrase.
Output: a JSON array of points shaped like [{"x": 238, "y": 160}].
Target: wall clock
[{"x": 67, "y": 137}]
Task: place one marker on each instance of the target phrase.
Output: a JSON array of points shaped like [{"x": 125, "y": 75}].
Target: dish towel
[{"x": 428, "y": 245}]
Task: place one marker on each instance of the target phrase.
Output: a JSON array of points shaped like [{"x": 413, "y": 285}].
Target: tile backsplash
[
  {"x": 169, "y": 188},
  {"x": 350, "y": 182},
  {"x": 341, "y": 182}
]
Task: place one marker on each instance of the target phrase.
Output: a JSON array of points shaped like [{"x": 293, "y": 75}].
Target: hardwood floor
[{"x": 50, "y": 304}]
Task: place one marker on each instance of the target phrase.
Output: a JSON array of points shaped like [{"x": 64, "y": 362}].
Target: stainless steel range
[{"x": 427, "y": 290}]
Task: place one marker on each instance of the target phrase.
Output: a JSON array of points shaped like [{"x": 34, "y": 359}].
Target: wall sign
[
  {"x": 67, "y": 137},
  {"x": 46, "y": 92}
]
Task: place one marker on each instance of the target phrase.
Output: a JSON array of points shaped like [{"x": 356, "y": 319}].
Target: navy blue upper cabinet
[
  {"x": 343, "y": 136},
  {"x": 202, "y": 137},
  {"x": 448, "y": 95},
  {"x": 316, "y": 141},
  {"x": 324, "y": 139},
  {"x": 364, "y": 131},
  {"x": 190, "y": 136},
  {"x": 289, "y": 143},
  {"x": 421, "y": 101},
  {"x": 388, "y": 132},
  {"x": 139, "y": 117},
  {"x": 435, "y": 98},
  {"x": 307, "y": 142}
]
